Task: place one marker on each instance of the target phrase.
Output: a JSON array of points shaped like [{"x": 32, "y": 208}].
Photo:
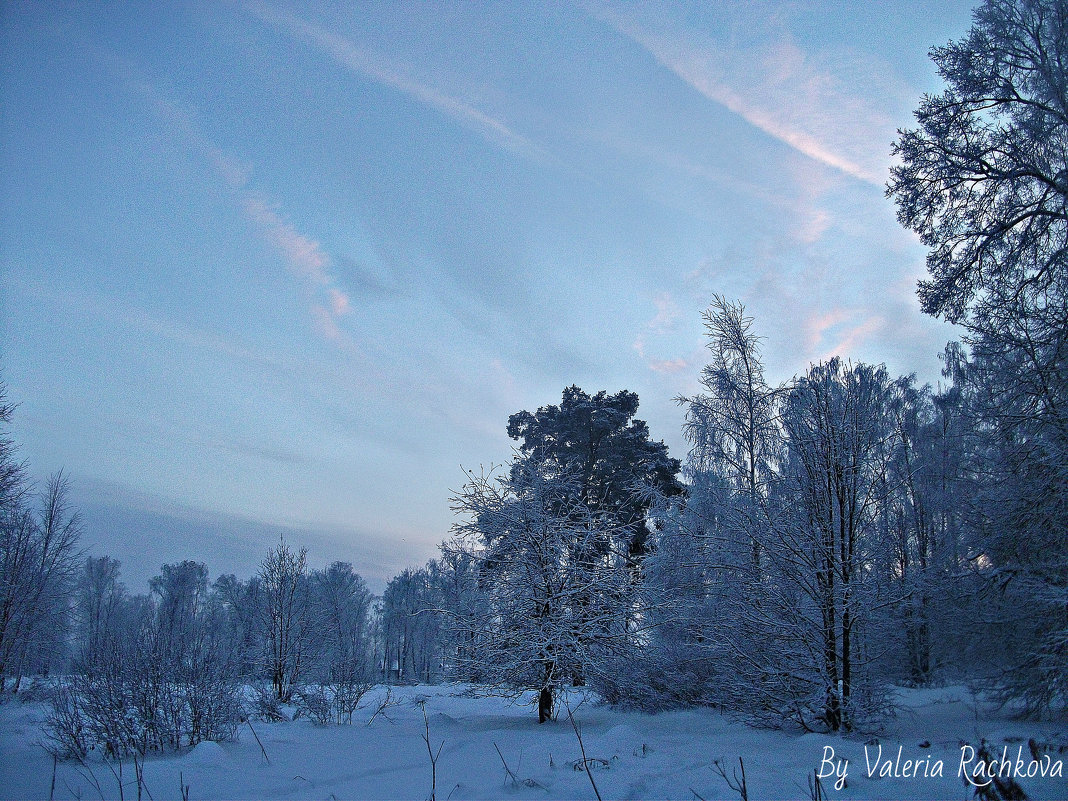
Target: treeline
[
  {"x": 190, "y": 660},
  {"x": 835, "y": 537}
]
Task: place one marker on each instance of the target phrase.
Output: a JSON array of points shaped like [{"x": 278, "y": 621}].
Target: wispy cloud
[
  {"x": 856, "y": 336},
  {"x": 665, "y": 320},
  {"x": 778, "y": 88},
  {"x": 667, "y": 313},
  {"x": 816, "y": 326},
  {"x": 339, "y": 302},
  {"x": 307, "y": 260},
  {"x": 377, "y": 68},
  {"x": 303, "y": 255},
  {"x": 847, "y": 329}
]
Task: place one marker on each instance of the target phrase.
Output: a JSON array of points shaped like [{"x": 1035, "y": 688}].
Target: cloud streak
[
  {"x": 821, "y": 327},
  {"x": 304, "y": 256},
  {"x": 376, "y": 68},
  {"x": 778, "y": 88},
  {"x": 855, "y": 336}
]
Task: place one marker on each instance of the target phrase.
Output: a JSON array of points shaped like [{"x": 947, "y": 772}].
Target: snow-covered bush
[
  {"x": 334, "y": 703},
  {"x": 266, "y": 706},
  {"x": 152, "y": 673}
]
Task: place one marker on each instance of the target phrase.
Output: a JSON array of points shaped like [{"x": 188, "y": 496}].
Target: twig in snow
[
  {"x": 264, "y": 750},
  {"x": 91, "y": 778},
  {"x": 515, "y": 781},
  {"x": 139, "y": 772},
  {"x": 117, "y": 775},
  {"x": 737, "y": 784},
  {"x": 507, "y": 770},
  {"x": 433, "y": 756},
  {"x": 582, "y": 749},
  {"x": 815, "y": 788},
  {"x": 384, "y": 704}
]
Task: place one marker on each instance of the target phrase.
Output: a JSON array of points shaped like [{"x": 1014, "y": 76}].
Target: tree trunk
[
  {"x": 545, "y": 704},
  {"x": 545, "y": 697}
]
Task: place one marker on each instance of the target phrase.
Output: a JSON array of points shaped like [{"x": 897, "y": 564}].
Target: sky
[{"x": 283, "y": 269}]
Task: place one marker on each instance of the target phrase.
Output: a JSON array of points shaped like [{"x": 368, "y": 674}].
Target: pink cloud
[
  {"x": 667, "y": 366},
  {"x": 303, "y": 255},
  {"x": 667, "y": 312},
  {"x": 339, "y": 302},
  {"x": 325, "y": 324},
  {"x": 855, "y": 336},
  {"x": 662, "y": 366},
  {"x": 815, "y": 327},
  {"x": 823, "y": 326}
]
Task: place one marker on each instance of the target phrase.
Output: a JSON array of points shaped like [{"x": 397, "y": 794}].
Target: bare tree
[
  {"x": 286, "y": 616},
  {"x": 38, "y": 563}
]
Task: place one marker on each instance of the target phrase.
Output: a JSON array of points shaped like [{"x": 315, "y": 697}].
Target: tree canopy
[
  {"x": 596, "y": 440},
  {"x": 984, "y": 178}
]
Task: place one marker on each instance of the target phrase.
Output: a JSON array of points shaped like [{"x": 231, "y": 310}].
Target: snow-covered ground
[{"x": 669, "y": 755}]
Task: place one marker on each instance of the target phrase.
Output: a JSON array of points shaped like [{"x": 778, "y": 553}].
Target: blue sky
[{"x": 280, "y": 268}]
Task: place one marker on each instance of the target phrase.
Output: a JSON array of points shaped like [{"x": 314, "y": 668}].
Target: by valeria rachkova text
[{"x": 972, "y": 768}]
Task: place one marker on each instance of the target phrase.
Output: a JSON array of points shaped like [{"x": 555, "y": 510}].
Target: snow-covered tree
[
  {"x": 554, "y": 589},
  {"x": 704, "y": 574},
  {"x": 732, "y": 425},
  {"x": 39, "y": 562},
  {"x": 38, "y": 566},
  {"x": 840, "y": 441},
  {"x": 150, "y": 673},
  {"x": 340, "y": 657},
  {"x": 240, "y": 606},
  {"x": 461, "y": 604},
  {"x": 410, "y": 626},
  {"x": 606, "y": 454}
]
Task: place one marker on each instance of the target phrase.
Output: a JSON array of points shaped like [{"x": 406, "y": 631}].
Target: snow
[{"x": 669, "y": 755}]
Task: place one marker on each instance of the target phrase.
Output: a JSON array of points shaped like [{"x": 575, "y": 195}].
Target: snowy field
[{"x": 634, "y": 755}]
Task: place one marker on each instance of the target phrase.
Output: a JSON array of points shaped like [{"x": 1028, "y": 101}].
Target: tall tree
[
  {"x": 839, "y": 435},
  {"x": 409, "y": 627},
  {"x": 983, "y": 180},
  {"x": 732, "y": 425},
  {"x": 612, "y": 471}
]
